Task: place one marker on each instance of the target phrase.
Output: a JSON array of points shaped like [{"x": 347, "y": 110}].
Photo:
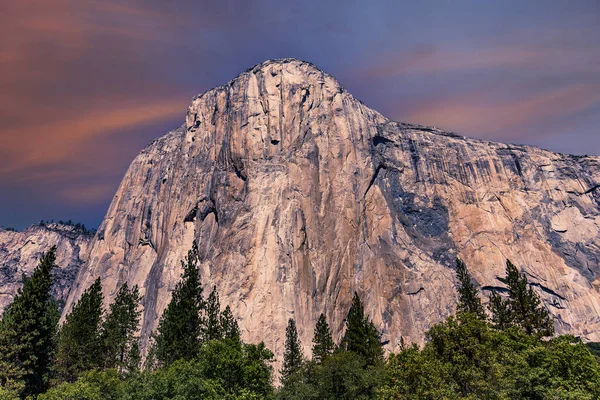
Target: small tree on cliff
[
  {"x": 28, "y": 330},
  {"x": 361, "y": 336},
  {"x": 79, "y": 346},
  {"x": 468, "y": 298},
  {"x": 292, "y": 356},
  {"x": 322, "y": 341},
  {"x": 181, "y": 325}
]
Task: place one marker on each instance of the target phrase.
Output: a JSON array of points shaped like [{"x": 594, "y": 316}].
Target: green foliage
[
  {"x": 91, "y": 385},
  {"x": 118, "y": 330},
  {"x": 353, "y": 371},
  {"x": 468, "y": 297},
  {"x": 562, "y": 368},
  {"x": 594, "y": 348},
  {"x": 361, "y": 336},
  {"x": 229, "y": 325},
  {"x": 412, "y": 374},
  {"x": 467, "y": 359},
  {"x": 79, "y": 345},
  {"x": 134, "y": 358},
  {"x": 323, "y": 344},
  {"x": 201, "y": 356},
  {"x": 222, "y": 370},
  {"x": 523, "y": 307},
  {"x": 27, "y": 333},
  {"x": 472, "y": 357},
  {"x": 213, "y": 316},
  {"x": 501, "y": 315},
  {"x": 182, "y": 380},
  {"x": 292, "y": 356},
  {"x": 10, "y": 393},
  {"x": 342, "y": 375},
  {"x": 181, "y": 325},
  {"x": 237, "y": 367}
]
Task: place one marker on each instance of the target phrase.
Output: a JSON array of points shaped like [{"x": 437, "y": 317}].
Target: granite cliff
[
  {"x": 20, "y": 252},
  {"x": 298, "y": 195}
]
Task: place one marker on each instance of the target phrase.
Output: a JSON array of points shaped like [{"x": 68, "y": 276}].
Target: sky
[{"x": 86, "y": 84}]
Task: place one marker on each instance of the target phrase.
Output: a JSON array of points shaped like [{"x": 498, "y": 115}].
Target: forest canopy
[{"x": 502, "y": 348}]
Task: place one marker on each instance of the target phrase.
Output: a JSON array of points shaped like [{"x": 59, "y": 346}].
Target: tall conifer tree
[
  {"x": 28, "y": 329},
  {"x": 119, "y": 328},
  {"x": 134, "y": 358},
  {"x": 501, "y": 315},
  {"x": 229, "y": 325},
  {"x": 322, "y": 341},
  {"x": 79, "y": 346},
  {"x": 523, "y": 306},
  {"x": 213, "y": 314},
  {"x": 181, "y": 325},
  {"x": 292, "y": 356},
  {"x": 468, "y": 298},
  {"x": 361, "y": 336}
]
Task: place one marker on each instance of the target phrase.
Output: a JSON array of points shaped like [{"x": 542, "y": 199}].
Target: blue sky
[{"x": 86, "y": 84}]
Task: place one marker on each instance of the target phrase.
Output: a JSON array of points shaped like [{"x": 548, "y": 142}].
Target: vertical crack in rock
[{"x": 149, "y": 301}]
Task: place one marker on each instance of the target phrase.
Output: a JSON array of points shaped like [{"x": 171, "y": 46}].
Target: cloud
[
  {"x": 56, "y": 142},
  {"x": 84, "y": 84},
  {"x": 73, "y": 73},
  {"x": 471, "y": 115},
  {"x": 91, "y": 193},
  {"x": 427, "y": 60}
]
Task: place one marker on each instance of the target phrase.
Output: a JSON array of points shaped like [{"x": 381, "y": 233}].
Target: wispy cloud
[
  {"x": 52, "y": 143},
  {"x": 85, "y": 83},
  {"x": 469, "y": 114},
  {"x": 427, "y": 59},
  {"x": 91, "y": 193}
]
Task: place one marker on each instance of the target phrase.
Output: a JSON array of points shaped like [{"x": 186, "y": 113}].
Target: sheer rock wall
[{"x": 298, "y": 195}]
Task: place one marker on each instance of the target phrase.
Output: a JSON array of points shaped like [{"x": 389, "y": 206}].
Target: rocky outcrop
[
  {"x": 298, "y": 195},
  {"x": 20, "y": 252}
]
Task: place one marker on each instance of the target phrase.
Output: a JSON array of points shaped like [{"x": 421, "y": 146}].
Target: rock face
[
  {"x": 20, "y": 253},
  {"x": 298, "y": 195}
]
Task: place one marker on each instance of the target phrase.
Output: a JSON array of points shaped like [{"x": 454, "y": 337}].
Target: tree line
[{"x": 507, "y": 351}]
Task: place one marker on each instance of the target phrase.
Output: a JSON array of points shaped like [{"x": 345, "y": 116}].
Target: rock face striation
[
  {"x": 20, "y": 252},
  {"x": 298, "y": 195}
]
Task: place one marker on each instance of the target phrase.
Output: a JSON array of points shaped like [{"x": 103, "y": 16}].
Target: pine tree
[
  {"x": 181, "y": 325},
  {"x": 354, "y": 337},
  {"x": 229, "y": 326},
  {"x": 323, "y": 344},
  {"x": 119, "y": 328},
  {"x": 28, "y": 329},
  {"x": 501, "y": 316},
  {"x": 134, "y": 357},
  {"x": 292, "y": 356},
  {"x": 361, "y": 336},
  {"x": 213, "y": 313},
  {"x": 79, "y": 346},
  {"x": 522, "y": 307},
  {"x": 468, "y": 299},
  {"x": 525, "y": 305}
]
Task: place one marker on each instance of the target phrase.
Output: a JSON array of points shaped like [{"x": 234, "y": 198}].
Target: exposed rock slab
[
  {"x": 298, "y": 195},
  {"x": 20, "y": 252}
]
